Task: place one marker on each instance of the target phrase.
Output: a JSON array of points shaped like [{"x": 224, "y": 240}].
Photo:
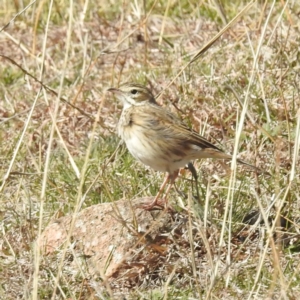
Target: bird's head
[{"x": 133, "y": 94}]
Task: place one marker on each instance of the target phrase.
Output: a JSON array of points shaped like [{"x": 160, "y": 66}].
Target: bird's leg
[
  {"x": 170, "y": 177},
  {"x": 155, "y": 201}
]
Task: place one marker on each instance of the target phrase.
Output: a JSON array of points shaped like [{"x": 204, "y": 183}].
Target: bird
[{"x": 159, "y": 139}]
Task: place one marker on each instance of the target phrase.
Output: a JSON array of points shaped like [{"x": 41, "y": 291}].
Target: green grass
[{"x": 249, "y": 262}]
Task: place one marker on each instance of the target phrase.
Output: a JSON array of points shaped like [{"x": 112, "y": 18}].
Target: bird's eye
[{"x": 133, "y": 92}]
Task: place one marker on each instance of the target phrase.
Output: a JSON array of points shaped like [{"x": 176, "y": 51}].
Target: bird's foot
[{"x": 157, "y": 204}]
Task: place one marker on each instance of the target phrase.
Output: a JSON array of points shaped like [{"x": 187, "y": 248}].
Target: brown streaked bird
[{"x": 157, "y": 138}]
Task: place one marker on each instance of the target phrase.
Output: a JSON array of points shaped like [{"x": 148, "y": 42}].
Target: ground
[{"x": 60, "y": 153}]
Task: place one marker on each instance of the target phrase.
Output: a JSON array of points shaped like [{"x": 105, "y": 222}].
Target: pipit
[{"x": 157, "y": 138}]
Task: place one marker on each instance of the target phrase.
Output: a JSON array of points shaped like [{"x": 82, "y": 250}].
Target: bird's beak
[
  {"x": 115, "y": 91},
  {"x": 111, "y": 89}
]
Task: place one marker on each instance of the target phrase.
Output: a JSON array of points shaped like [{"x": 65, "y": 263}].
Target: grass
[{"x": 85, "y": 48}]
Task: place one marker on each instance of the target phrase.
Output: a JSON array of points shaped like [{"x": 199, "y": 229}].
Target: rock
[{"x": 113, "y": 237}]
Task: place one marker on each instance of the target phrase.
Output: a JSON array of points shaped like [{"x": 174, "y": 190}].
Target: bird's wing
[
  {"x": 208, "y": 150},
  {"x": 169, "y": 127},
  {"x": 178, "y": 137}
]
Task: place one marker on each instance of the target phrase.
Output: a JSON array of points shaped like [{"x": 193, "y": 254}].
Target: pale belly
[{"x": 152, "y": 155}]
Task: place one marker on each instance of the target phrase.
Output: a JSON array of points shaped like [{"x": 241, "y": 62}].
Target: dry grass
[{"x": 52, "y": 149}]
